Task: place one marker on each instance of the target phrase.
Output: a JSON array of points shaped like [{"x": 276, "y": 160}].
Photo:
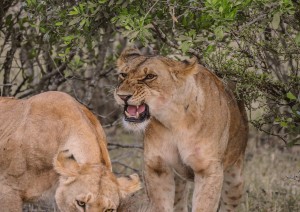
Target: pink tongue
[
  {"x": 141, "y": 108},
  {"x": 131, "y": 110}
]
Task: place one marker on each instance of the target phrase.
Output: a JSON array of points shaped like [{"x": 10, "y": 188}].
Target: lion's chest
[{"x": 170, "y": 150}]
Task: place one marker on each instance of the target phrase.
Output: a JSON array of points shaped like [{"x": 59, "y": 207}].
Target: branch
[
  {"x": 166, "y": 40},
  {"x": 38, "y": 87},
  {"x": 16, "y": 39},
  {"x": 126, "y": 146},
  {"x": 21, "y": 85},
  {"x": 126, "y": 166}
]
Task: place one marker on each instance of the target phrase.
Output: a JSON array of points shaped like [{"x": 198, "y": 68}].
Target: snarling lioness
[
  {"x": 194, "y": 129},
  {"x": 50, "y": 144}
]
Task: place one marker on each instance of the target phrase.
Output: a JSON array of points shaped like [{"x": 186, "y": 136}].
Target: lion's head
[
  {"x": 90, "y": 187},
  {"x": 147, "y": 84}
]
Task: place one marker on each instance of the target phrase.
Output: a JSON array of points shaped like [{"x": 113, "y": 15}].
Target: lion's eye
[
  {"x": 80, "y": 203},
  {"x": 109, "y": 210},
  {"x": 123, "y": 75},
  {"x": 150, "y": 76}
]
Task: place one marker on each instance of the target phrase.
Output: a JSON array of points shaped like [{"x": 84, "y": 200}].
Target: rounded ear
[
  {"x": 190, "y": 68},
  {"x": 65, "y": 164},
  {"x": 128, "y": 54},
  {"x": 128, "y": 185}
]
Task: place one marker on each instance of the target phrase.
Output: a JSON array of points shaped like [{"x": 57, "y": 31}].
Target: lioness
[
  {"x": 194, "y": 127},
  {"x": 50, "y": 143}
]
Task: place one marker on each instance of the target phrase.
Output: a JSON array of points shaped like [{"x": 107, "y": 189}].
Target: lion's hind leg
[
  {"x": 233, "y": 186},
  {"x": 10, "y": 199},
  {"x": 182, "y": 189}
]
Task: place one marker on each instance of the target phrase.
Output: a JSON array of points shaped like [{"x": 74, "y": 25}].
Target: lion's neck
[{"x": 185, "y": 104}]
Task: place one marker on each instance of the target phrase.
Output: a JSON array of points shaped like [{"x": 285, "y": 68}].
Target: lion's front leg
[
  {"x": 208, "y": 186},
  {"x": 160, "y": 185}
]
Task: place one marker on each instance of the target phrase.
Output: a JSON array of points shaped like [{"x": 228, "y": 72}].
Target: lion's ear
[
  {"x": 128, "y": 54},
  {"x": 128, "y": 185},
  {"x": 65, "y": 164},
  {"x": 189, "y": 68}
]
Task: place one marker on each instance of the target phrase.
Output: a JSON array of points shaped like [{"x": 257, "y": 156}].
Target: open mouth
[{"x": 136, "y": 113}]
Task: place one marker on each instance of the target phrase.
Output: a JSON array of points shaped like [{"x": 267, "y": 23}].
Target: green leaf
[
  {"x": 291, "y": 96},
  {"x": 219, "y": 33},
  {"x": 185, "y": 46},
  {"x": 59, "y": 23},
  {"x": 75, "y": 11},
  {"x": 277, "y": 119},
  {"x": 210, "y": 49},
  {"x": 283, "y": 124},
  {"x": 74, "y": 21},
  {"x": 276, "y": 20},
  {"x": 221, "y": 9}
]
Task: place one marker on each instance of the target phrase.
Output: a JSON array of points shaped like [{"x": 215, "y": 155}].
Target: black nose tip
[{"x": 125, "y": 97}]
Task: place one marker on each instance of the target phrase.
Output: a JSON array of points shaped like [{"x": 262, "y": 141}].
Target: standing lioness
[
  {"x": 50, "y": 144},
  {"x": 194, "y": 127}
]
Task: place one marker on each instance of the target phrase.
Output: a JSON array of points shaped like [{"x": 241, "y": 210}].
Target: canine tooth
[
  {"x": 137, "y": 114},
  {"x": 127, "y": 114}
]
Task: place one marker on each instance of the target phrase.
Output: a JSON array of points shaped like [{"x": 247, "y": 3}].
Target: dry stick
[
  {"x": 20, "y": 86},
  {"x": 126, "y": 166},
  {"x": 126, "y": 146},
  {"x": 16, "y": 37}
]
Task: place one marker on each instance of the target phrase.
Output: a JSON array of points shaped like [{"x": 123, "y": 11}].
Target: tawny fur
[
  {"x": 51, "y": 144},
  {"x": 197, "y": 130}
]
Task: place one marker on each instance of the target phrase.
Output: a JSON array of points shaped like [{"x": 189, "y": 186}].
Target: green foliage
[
  {"x": 249, "y": 42},
  {"x": 254, "y": 43}
]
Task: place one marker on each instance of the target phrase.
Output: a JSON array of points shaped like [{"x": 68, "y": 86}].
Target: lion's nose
[{"x": 125, "y": 97}]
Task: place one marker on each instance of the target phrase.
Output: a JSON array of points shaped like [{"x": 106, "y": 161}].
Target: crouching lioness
[
  {"x": 50, "y": 144},
  {"x": 194, "y": 128}
]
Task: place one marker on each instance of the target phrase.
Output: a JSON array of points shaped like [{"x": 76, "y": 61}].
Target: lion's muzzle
[{"x": 136, "y": 113}]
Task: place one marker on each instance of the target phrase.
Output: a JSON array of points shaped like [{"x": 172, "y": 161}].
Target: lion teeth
[{"x": 127, "y": 114}]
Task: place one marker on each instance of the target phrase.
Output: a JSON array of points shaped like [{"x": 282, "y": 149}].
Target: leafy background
[{"x": 72, "y": 46}]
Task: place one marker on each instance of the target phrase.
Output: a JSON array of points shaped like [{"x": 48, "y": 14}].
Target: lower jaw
[
  {"x": 137, "y": 121},
  {"x": 136, "y": 126}
]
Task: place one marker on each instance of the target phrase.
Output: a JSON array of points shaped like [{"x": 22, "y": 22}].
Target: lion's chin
[{"x": 135, "y": 126}]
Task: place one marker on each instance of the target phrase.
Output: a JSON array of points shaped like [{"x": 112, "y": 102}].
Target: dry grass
[{"x": 272, "y": 172}]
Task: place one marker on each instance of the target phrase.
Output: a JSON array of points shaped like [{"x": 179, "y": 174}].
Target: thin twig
[
  {"x": 126, "y": 146},
  {"x": 174, "y": 45}
]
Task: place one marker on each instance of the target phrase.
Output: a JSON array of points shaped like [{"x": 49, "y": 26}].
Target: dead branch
[
  {"x": 125, "y": 146},
  {"x": 16, "y": 39}
]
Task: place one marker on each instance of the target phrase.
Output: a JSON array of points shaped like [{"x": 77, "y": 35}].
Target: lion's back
[{"x": 32, "y": 129}]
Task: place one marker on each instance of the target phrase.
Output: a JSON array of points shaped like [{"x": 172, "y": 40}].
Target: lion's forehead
[{"x": 142, "y": 65}]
